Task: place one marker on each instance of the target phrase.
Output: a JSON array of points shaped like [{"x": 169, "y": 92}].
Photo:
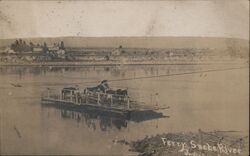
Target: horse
[{"x": 122, "y": 92}]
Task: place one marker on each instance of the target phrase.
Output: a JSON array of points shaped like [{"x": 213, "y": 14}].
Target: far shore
[{"x": 119, "y": 63}]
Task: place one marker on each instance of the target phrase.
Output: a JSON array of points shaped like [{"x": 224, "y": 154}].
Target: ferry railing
[
  {"x": 108, "y": 99},
  {"x": 96, "y": 98}
]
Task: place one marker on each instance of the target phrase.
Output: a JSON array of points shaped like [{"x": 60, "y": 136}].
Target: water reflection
[
  {"x": 92, "y": 120},
  {"x": 87, "y": 75},
  {"x": 120, "y": 71}
]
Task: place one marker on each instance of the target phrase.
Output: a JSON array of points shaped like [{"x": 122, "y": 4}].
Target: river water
[{"x": 207, "y": 100}]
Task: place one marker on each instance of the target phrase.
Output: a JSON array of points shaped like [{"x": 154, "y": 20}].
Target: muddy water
[{"x": 209, "y": 101}]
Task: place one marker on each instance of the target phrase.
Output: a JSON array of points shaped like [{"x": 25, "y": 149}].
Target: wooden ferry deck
[{"x": 100, "y": 103}]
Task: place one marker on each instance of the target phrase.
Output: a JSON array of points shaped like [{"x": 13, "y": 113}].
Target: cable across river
[{"x": 169, "y": 75}]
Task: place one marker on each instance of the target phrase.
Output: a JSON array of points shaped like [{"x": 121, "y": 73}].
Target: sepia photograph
[{"x": 123, "y": 77}]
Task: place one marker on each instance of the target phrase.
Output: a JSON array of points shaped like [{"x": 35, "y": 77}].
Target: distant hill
[{"x": 140, "y": 42}]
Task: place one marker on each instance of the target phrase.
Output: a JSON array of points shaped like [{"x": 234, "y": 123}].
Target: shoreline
[
  {"x": 118, "y": 63},
  {"x": 197, "y": 143}
]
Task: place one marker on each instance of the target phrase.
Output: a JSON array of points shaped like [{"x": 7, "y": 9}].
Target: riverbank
[
  {"x": 192, "y": 143},
  {"x": 115, "y": 63}
]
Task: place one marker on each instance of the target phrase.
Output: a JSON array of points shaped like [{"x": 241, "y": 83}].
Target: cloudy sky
[{"x": 213, "y": 18}]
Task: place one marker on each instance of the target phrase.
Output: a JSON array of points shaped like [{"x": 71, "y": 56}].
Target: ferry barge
[{"x": 102, "y": 100}]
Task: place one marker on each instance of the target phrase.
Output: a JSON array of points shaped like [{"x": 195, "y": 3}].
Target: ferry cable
[
  {"x": 175, "y": 74},
  {"x": 149, "y": 77}
]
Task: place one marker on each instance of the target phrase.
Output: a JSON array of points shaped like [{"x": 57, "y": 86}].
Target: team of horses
[{"x": 104, "y": 88}]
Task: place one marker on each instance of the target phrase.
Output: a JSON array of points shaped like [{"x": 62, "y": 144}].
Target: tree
[
  {"x": 31, "y": 46},
  {"x": 45, "y": 48},
  {"x": 25, "y": 47},
  {"x": 62, "y": 46}
]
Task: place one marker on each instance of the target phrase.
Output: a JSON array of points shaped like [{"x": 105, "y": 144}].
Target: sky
[{"x": 205, "y": 18}]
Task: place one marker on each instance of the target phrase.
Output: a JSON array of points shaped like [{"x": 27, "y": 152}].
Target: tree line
[{"x": 22, "y": 46}]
